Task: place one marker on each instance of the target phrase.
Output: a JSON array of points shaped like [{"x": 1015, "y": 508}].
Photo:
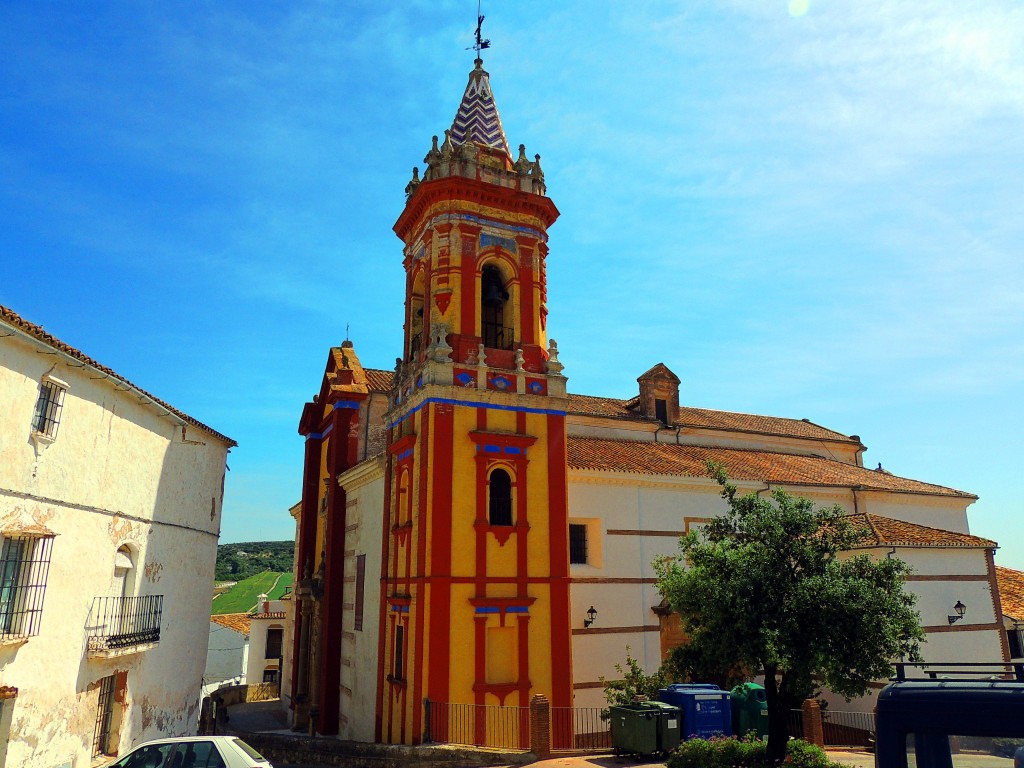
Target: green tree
[
  {"x": 633, "y": 683},
  {"x": 766, "y": 587}
]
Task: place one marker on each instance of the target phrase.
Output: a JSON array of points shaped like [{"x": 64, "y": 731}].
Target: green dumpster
[
  {"x": 749, "y": 710},
  {"x": 645, "y": 728}
]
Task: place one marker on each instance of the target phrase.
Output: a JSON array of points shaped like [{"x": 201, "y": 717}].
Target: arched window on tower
[
  {"x": 495, "y": 314},
  {"x": 416, "y": 321},
  {"x": 500, "y": 503}
]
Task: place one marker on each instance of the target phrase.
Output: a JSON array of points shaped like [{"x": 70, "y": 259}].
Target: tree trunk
[{"x": 778, "y": 734}]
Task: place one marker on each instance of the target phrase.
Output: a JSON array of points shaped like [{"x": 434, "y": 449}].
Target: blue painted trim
[
  {"x": 493, "y": 223},
  {"x": 494, "y": 609},
  {"x": 351, "y": 405},
  {"x": 320, "y": 435},
  {"x": 474, "y": 404},
  {"x": 507, "y": 243}
]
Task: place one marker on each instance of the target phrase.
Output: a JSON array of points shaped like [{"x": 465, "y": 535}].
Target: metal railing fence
[
  {"x": 580, "y": 729},
  {"x": 123, "y": 622},
  {"x": 481, "y": 725},
  {"x": 847, "y": 729}
]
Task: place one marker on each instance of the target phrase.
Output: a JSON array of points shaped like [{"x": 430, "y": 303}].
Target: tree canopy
[{"x": 772, "y": 586}]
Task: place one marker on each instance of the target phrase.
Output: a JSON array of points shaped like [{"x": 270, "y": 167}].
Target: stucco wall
[
  {"x": 262, "y": 622},
  {"x": 637, "y": 519},
  {"x": 118, "y": 474},
  {"x": 226, "y": 658},
  {"x": 364, "y": 487}
]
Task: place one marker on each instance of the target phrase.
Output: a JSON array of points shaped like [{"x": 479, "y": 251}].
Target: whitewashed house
[
  {"x": 227, "y": 655},
  {"x": 266, "y": 642},
  {"x": 110, "y": 505}
]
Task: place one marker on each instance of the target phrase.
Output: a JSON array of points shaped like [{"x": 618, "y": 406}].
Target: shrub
[
  {"x": 745, "y": 752},
  {"x": 633, "y": 684},
  {"x": 801, "y": 754}
]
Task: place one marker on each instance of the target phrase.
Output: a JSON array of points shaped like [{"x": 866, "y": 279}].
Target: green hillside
[
  {"x": 236, "y": 562},
  {"x": 241, "y": 598}
]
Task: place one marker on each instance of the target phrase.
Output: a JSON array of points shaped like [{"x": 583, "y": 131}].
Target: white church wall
[{"x": 364, "y": 489}]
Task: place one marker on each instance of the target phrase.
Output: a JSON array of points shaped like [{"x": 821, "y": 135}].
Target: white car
[{"x": 193, "y": 752}]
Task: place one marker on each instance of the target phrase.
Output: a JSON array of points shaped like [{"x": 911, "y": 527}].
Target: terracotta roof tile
[
  {"x": 378, "y": 380},
  {"x": 1011, "y": 592},
  {"x": 766, "y": 466},
  {"x": 587, "y": 405},
  {"x": 239, "y": 622},
  {"x": 879, "y": 531},
  {"x": 15, "y": 320}
]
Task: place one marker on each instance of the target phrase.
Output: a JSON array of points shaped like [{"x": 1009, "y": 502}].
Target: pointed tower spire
[{"x": 478, "y": 114}]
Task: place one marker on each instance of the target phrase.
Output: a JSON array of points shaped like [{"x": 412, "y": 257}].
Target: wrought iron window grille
[
  {"x": 577, "y": 544},
  {"x": 24, "y": 568},
  {"x": 49, "y": 406}
]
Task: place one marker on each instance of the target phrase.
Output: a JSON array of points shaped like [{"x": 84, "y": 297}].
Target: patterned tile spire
[{"x": 477, "y": 118}]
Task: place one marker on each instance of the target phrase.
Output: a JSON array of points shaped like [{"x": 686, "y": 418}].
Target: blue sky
[{"x": 805, "y": 209}]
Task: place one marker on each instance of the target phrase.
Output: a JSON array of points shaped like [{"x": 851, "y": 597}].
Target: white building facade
[{"x": 110, "y": 505}]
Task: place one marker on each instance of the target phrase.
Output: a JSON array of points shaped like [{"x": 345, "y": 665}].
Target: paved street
[{"x": 266, "y": 716}]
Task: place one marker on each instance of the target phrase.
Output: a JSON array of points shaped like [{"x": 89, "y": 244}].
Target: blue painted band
[
  {"x": 474, "y": 404},
  {"x": 320, "y": 435},
  {"x": 349, "y": 404}
]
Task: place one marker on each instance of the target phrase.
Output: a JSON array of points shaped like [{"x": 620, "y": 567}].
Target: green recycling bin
[
  {"x": 749, "y": 710},
  {"x": 645, "y": 728}
]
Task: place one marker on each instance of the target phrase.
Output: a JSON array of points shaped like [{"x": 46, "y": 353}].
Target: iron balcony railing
[{"x": 117, "y": 623}]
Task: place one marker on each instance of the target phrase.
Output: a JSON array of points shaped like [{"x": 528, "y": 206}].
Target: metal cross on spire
[{"x": 480, "y": 43}]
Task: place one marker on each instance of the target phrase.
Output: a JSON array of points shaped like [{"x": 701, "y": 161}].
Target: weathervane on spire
[{"x": 480, "y": 43}]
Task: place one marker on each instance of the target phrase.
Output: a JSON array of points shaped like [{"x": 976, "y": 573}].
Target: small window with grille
[
  {"x": 46, "y": 418},
  {"x": 274, "y": 637},
  {"x": 577, "y": 544},
  {"x": 360, "y": 589},
  {"x": 399, "y": 661},
  {"x": 101, "y": 741},
  {"x": 24, "y": 566}
]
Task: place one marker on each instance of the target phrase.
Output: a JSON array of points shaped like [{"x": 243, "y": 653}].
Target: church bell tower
[{"x": 475, "y": 583}]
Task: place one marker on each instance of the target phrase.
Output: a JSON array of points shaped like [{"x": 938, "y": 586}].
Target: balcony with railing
[{"x": 122, "y": 625}]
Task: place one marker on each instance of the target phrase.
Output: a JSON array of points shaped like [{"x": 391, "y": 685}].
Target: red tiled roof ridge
[
  {"x": 938, "y": 536},
  {"x": 238, "y": 622},
  {"x": 37, "y": 332},
  {"x": 773, "y": 467},
  {"x": 839, "y": 436},
  {"x": 1011, "y": 591},
  {"x": 781, "y": 426}
]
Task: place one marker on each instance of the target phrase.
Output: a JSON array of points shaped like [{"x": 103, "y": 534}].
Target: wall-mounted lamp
[
  {"x": 960, "y": 609},
  {"x": 591, "y": 615}
]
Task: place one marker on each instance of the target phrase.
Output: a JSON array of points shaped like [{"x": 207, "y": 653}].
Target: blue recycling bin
[{"x": 706, "y": 709}]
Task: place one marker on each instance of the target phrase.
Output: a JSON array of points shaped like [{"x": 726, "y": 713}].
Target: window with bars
[
  {"x": 360, "y": 589},
  {"x": 104, "y": 717},
  {"x": 24, "y": 567},
  {"x": 274, "y": 638},
  {"x": 577, "y": 544},
  {"x": 398, "y": 664},
  {"x": 48, "y": 407}
]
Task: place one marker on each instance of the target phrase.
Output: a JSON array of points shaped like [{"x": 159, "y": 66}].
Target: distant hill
[
  {"x": 236, "y": 562},
  {"x": 242, "y": 597}
]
